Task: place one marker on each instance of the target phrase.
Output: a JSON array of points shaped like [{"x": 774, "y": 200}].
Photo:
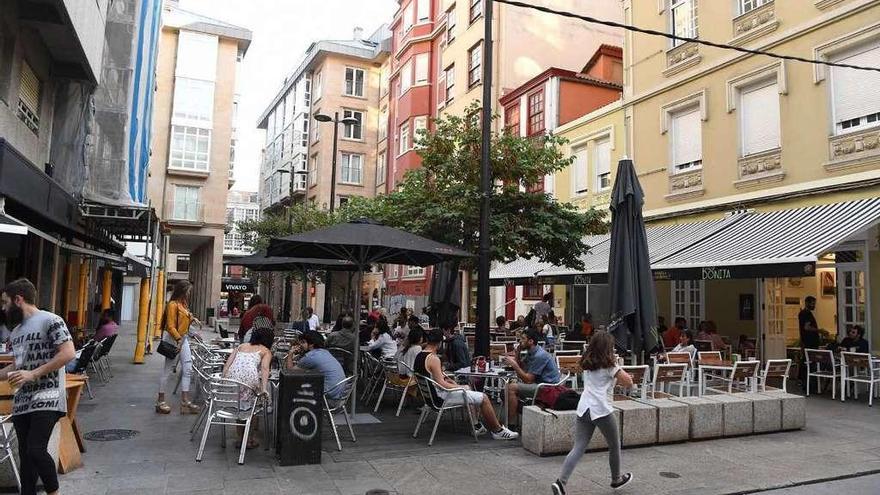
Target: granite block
[
  {"x": 737, "y": 414},
  {"x": 794, "y": 409},
  {"x": 706, "y": 417},
  {"x": 638, "y": 423},
  {"x": 767, "y": 409},
  {"x": 544, "y": 433},
  {"x": 672, "y": 420},
  {"x": 598, "y": 441}
]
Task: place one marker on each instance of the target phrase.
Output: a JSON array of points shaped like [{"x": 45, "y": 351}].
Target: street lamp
[{"x": 335, "y": 120}]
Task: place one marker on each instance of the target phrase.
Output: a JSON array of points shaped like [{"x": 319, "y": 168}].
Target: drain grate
[
  {"x": 110, "y": 435},
  {"x": 667, "y": 474}
]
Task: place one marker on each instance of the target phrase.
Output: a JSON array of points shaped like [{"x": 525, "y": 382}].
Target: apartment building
[
  {"x": 241, "y": 206},
  {"x": 339, "y": 79},
  {"x": 193, "y": 145}
]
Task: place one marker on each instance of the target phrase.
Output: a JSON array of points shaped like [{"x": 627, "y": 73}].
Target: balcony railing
[{"x": 185, "y": 211}]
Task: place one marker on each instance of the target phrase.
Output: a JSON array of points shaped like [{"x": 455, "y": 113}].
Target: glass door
[{"x": 851, "y": 296}]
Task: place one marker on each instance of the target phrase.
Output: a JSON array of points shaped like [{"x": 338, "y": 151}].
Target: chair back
[
  {"x": 428, "y": 390},
  {"x": 744, "y": 369},
  {"x": 97, "y": 353},
  {"x": 224, "y": 333},
  {"x": 711, "y": 357},
  {"x": 85, "y": 356},
  {"x": 496, "y": 350},
  {"x": 560, "y": 352},
  {"x": 670, "y": 372},
  {"x": 346, "y": 385},
  {"x": 819, "y": 356},
  {"x": 862, "y": 364},
  {"x": 505, "y": 338},
  {"x": 679, "y": 358},
  {"x": 639, "y": 374},
  {"x": 703, "y": 345},
  {"x": 471, "y": 341},
  {"x": 107, "y": 344},
  {"x": 573, "y": 345},
  {"x": 569, "y": 364},
  {"x": 226, "y": 394},
  {"x": 344, "y": 356},
  {"x": 777, "y": 368}
]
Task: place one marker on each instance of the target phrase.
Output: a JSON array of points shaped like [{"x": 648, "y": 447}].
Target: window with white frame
[
  {"x": 403, "y": 140},
  {"x": 193, "y": 101},
  {"x": 855, "y": 106},
  {"x": 759, "y": 118},
  {"x": 423, "y": 7},
  {"x": 190, "y": 148},
  {"x": 602, "y": 163},
  {"x": 30, "y": 93},
  {"x": 408, "y": 16},
  {"x": 414, "y": 271},
  {"x": 688, "y": 301},
  {"x": 406, "y": 76},
  {"x": 354, "y": 81},
  {"x": 316, "y": 128},
  {"x": 579, "y": 171},
  {"x": 450, "y": 24},
  {"x": 196, "y": 56},
  {"x": 449, "y": 74},
  {"x": 683, "y": 19},
  {"x": 383, "y": 123},
  {"x": 686, "y": 140},
  {"x": 352, "y": 168},
  {"x": 313, "y": 170},
  {"x": 746, "y": 6},
  {"x": 318, "y": 83},
  {"x": 395, "y": 271},
  {"x": 420, "y": 127},
  {"x": 381, "y": 168},
  {"x": 421, "y": 67},
  {"x": 475, "y": 64},
  {"x": 353, "y": 131},
  {"x": 186, "y": 203}
]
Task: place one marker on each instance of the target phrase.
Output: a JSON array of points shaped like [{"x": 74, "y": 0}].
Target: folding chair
[
  {"x": 104, "y": 358},
  {"x": 85, "y": 358},
  {"x": 639, "y": 376},
  {"x": 333, "y": 406},
  {"x": 821, "y": 365},
  {"x": 865, "y": 369},
  {"x": 669, "y": 374},
  {"x": 225, "y": 408},
  {"x": 775, "y": 368},
  {"x": 430, "y": 392},
  {"x": 570, "y": 365}
]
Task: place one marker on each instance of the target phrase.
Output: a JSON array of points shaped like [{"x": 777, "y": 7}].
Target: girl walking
[
  {"x": 594, "y": 410},
  {"x": 175, "y": 328}
]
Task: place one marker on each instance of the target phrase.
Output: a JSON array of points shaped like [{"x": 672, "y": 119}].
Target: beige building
[{"x": 190, "y": 170}]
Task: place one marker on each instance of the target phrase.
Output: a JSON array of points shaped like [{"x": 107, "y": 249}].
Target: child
[{"x": 594, "y": 410}]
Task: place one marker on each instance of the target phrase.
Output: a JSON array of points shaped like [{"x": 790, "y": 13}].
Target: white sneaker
[{"x": 505, "y": 434}]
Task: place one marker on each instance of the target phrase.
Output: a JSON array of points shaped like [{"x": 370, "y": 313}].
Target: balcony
[
  {"x": 754, "y": 24},
  {"x": 854, "y": 149},
  {"x": 760, "y": 168},
  {"x": 685, "y": 185},
  {"x": 185, "y": 212},
  {"x": 682, "y": 57}
]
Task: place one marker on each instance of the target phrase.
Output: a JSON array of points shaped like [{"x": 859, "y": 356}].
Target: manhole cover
[
  {"x": 110, "y": 435},
  {"x": 667, "y": 474}
]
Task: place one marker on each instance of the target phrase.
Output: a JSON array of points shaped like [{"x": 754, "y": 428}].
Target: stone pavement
[
  {"x": 861, "y": 484},
  {"x": 841, "y": 439}
]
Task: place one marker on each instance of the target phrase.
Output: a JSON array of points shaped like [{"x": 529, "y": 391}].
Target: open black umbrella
[
  {"x": 364, "y": 242},
  {"x": 633, "y": 300},
  {"x": 259, "y": 262}
]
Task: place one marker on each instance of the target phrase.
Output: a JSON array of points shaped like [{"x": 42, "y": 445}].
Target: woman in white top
[
  {"x": 249, "y": 364},
  {"x": 411, "y": 347},
  {"x": 383, "y": 341},
  {"x": 594, "y": 410},
  {"x": 684, "y": 344}
]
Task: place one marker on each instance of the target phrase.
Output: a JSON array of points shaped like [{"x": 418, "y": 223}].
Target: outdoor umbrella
[
  {"x": 364, "y": 242},
  {"x": 445, "y": 283},
  {"x": 633, "y": 301},
  {"x": 259, "y": 262}
]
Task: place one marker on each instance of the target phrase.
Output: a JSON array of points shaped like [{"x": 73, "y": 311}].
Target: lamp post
[
  {"x": 335, "y": 120},
  {"x": 288, "y": 296}
]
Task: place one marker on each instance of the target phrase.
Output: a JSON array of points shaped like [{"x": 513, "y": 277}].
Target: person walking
[
  {"x": 37, "y": 378},
  {"x": 594, "y": 410},
  {"x": 175, "y": 327}
]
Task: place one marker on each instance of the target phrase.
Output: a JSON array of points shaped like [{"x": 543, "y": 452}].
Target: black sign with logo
[{"x": 237, "y": 285}]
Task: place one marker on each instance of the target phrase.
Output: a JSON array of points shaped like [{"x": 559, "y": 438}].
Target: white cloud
[{"x": 282, "y": 30}]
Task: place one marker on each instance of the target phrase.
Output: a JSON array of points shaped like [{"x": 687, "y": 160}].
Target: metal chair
[
  {"x": 570, "y": 364},
  {"x": 104, "y": 358},
  {"x": 497, "y": 350},
  {"x": 669, "y": 374},
  {"x": 825, "y": 368},
  {"x": 743, "y": 371},
  {"x": 639, "y": 376},
  {"x": 225, "y": 408},
  {"x": 7, "y": 435},
  {"x": 203, "y": 375},
  {"x": 344, "y": 356},
  {"x": 85, "y": 358},
  {"x": 393, "y": 382},
  {"x": 530, "y": 401},
  {"x": 573, "y": 345},
  {"x": 865, "y": 369},
  {"x": 340, "y": 404},
  {"x": 775, "y": 368},
  {"x": 430, "y": 392},
  {"x": 92, "y": 364}
]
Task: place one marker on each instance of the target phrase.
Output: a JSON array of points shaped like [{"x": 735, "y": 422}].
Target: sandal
[
  {"x": 163, "y": 408},
  {"x": 189, "y": 408}
]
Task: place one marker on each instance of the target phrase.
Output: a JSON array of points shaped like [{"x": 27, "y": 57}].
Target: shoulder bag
[{"x": 166, "y": 348}]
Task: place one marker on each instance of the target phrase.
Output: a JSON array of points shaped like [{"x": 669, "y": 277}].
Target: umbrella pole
[{"x": 356, "y": 310}]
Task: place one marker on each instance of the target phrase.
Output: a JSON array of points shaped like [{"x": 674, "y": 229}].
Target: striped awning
[{"x": 744, "y": 244}]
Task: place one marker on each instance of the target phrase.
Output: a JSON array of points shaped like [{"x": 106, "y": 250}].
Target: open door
[
  {"x": 851, "y": 296},
  {"x": 773, "y": 320}
]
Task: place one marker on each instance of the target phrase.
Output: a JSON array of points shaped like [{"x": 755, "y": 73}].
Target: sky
[{"x": 282, "y": 30}]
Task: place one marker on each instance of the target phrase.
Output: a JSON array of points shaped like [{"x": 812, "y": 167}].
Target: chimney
[{"x": 359, "y": 33}]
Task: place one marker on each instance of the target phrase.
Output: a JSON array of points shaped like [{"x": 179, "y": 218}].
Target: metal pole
[
  {"x": 288, "y": 303},
  {"x": 328, "y": 277},
  {"x": 481, "y": 343}
]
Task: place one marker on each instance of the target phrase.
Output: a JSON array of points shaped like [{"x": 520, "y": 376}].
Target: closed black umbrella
[
  {"x": 445, "y": 287},
  {"x": 633, "y": 300}
]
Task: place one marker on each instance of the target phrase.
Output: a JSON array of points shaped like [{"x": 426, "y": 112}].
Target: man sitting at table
[
  {"x": 316, "y": 358},
  {"x": 854, "y": 340},
  {"x": 537, "y": 367},
  {"x": 344, "y": 338},
  {"x": 458, "y": 355}
]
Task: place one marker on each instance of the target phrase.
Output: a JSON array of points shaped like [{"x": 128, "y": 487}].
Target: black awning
[{"x": 236, "y": 285}]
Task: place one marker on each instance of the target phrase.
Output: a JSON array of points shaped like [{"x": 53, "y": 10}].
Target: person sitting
[
  {"x": 249, "y": 363},
  {"x": 703, "y": 331},
  {"x": 458, "y": 355},
  {"x": 501, "y": 325},
  {"x": 547, "y": 329},
  {"x": 586, "y": 326},
  {"x": 671, "y": 336},
  {"x": 365, "y": 332},
  {"x": 256, "y": 307},
  {"x": 537, "y": 367},
  {"x": 382, "y": 344},
  {"x": 684, "y": 344},
  {"x": 745, "y": 344},
  {"x": 317, "y": 358},
  {"x": 107, "y": 327},
  {"x": 854, "y": 340},
  {"x": 345, "y": 339},
  {"x": 427, "y": 363},
  {"x": 518, "y": 324},
  {"x": 712, "y": 331},
  {"x": 314, "y": 321}
]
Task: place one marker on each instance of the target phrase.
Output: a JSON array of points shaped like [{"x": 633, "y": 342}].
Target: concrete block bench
[
  {"x": 673, "y": 420},
  {"x": 705, "y": 417},
  {"x": 737, "y": 418},
  {"x": 767, "y": 412},
  {"x": 638, "y": 423},
  {"x": 794, "y": 409},
  {"x": 552, "y": 432}
]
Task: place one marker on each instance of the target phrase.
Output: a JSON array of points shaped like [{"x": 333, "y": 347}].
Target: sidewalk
[{"x": 840, "y": 439}]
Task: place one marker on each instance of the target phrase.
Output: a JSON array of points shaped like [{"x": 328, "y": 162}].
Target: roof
[
  {"x": 184, "y": 19},
  {"x": 565, "y": 74},
  {"x": 606, "y": 50}
]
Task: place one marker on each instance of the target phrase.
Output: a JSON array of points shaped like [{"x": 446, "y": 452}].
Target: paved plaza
[{"x": 841, "y": 440}]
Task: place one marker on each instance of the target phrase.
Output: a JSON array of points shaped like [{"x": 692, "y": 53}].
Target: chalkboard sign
[{"x": 299, "y": 417}]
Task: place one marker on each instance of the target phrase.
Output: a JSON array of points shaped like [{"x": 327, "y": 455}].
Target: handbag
[{"x": 166, "y": 348}]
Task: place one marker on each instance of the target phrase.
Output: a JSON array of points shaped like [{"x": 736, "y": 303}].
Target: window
[
  {"x": 395, "y": 271},
  {"x": 186, "y": 203},
  {"x": 759, "y": 119},
  {"x": 579, "y": 171},
  {"x": 422, "y": 61},
  {"x": 687, "y": 301},
  {"x": 403, "y": 139},
  {"x": 354, "y": 82},
  {"x": 424, "y": 10},
  {"x": 476, "y": 9},
  {"x": 383, "y": 81},
  {"x": 193, "y": 101},
  {"x": 511, "y": 119},
  {"x": 406, "y": 77},
  {"x": 450, "y": 82},
  {"x": 408, "y": 16},
  {"x": 414, "y": 271},
  {"x": 318, "y": 83},
  {"x": 602, "y": 164},
  {"x": 381, "y": 167},
  {"x": 450, "y": 25},
  {"x": 341, "y": 201},
  {"x": 316, "y": 128},
  {"x": 420, "y": 128},
  {"x": 304, "y": 134},
  {"x": 750, "y": 5},
  {"x": 475, "y": 57},
  {"x": 182, "y": 263},
  {"x": 352, "y": 168},
  {"x": 190, "y": 148},
  {"x": 687, "y": 141},
  {"x": 856, "y": 108},
  {"x": 313, "y": 171},
  {"x": 353, "y": 131},
  {"x": 533, "y": 292},
  {"x": 196, "y": 56},
  {"x": 29, "y": 97},
  {"x": 684, "y": 19},
  {"x": 383, "y": 124},
  {"x": 536, "y": 112}
]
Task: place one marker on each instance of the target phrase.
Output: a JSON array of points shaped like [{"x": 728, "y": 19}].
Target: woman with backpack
[
  {"x": 175, "y": 327},
  {"x": 594, "y": 410}
]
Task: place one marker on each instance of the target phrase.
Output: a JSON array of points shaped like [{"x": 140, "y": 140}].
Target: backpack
[{"x": 558, "y": 397}]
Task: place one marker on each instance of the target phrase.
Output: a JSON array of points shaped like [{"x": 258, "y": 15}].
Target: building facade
[
  {"x": 241, "y": 206},
  {"x": 193, "y": 145}
]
